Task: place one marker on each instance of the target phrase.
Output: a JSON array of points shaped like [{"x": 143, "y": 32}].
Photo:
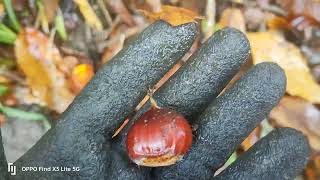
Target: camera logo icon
[{"x": 12, "y": 169}]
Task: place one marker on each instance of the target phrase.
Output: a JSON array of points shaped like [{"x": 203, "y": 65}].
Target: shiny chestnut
[{"x": 160, "y": 137}]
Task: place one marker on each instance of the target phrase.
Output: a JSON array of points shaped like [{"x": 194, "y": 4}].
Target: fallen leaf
[
  {"x": 2, "y": 120},
  {"x": 19, "y": 5},
  {"x": 50, "y": 9},
  {"x": 40, "y": 60},
  {"x": 24, "y": 115},
  {"x": 302, "y": 13},
  {"x": 233, "y": 17},
  {"x": 70, "y": 62},
  {"x": 173, "y": 15},
  {"x": 312, "y": 171},
  {"x": 119, "y": 8},
  {"x": 4, "y": 90},
  {"x": 1, "y": 10},
  {"x": 272, "y": 47},
  {"x": 81, "y": 75},
  {"x": 277, "y": 22},
  {"x": 89, "y": 15},
  {"x": 10, "y": 100},
  {"x": 113, "y": 49},
  {"x": 299, "y": 114},
  {"x": 255, "y": 18}
]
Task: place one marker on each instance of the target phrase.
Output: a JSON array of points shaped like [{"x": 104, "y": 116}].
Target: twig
[
  {"x": 120, "y": 128},
  {"x": 105, "y": 11},
  {"x": 210, "y": 15}
]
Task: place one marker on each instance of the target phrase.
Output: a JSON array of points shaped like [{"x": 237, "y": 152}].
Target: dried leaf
[
  {"x": 81, "y": 75},
  {"x": 299, "y": 114},
  {"x": 119, "y": 8},
  {"x": 233, "y": 17},
  {"x": 278, "y": 22},
  {"x": 50, "y": 9},
  {"x": 89, "y": 15},
  {"x": 2, "y": 120},
  {"x": 1, "y": 10},
  {"x": 19, "y": 5},
  {"x": 173, "y": 15},
  {"x": 40, "y": 61},
  {"x": 272, "y": 47},
  {"x": 309, "y": 9}
]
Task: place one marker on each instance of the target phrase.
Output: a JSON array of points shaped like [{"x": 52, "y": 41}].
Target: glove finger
[
  {"x": 282, "y": 154},
  {"x": 3, "y": 162},
  {"x": 199, "y": 81},
  {"x": 228, "y": 120},
  {"x": 203, "y": 77},
  {"x": 120, "y": 85},
  {"x": 206, "y": 73},
  {"x": 78, "y": 138}
]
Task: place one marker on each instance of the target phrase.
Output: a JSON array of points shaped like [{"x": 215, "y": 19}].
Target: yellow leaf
[
  {"x": 81, "y": 75},
  {"x": 272, "y": 47},
  {"x": 173, "y": 15},
  {"x": 39, "y": 60},
  {"x": 89, "y": 15}
]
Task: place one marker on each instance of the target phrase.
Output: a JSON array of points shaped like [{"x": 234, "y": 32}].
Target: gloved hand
[{"x": 82, "y": 136}]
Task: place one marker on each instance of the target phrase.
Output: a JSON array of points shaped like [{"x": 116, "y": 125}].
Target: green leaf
[
  {"x": 20, "y": 114},
  {"x": 3, "y": 90},
  {"x": 12, "y": 16},
  {"x": 59, "y": 23},
  {"x": 7, "y": 63},
  {"x": 24, "y": 115},
  {"x": 42, "y": 16},
  {"x": 7, "y": 35}
]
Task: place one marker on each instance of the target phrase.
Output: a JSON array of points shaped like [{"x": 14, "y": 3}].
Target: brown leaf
[
  {"x": 2, "y": 120},
  {"x": 119, "y": 8},
  {"x": 233, "y": 17},
  {"x": 1, "y": 10},
  {"x": 173, "y": 15},
  {"x": 299, "y": 114},
  {"x": 277, "y": 22},
  {"x": 272, "y": 47},
  {"x": 40, "y": 60},
  {"x": 308, "y": 9},
  {"x": 19, "y": 5},
  {"x": 50, "y": 8}
]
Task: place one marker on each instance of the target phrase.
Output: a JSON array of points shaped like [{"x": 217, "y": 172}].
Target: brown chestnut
[{"x": 160, "y": 137}]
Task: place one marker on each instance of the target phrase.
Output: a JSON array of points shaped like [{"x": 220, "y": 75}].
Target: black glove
[{"x": 82, "y": 136}]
